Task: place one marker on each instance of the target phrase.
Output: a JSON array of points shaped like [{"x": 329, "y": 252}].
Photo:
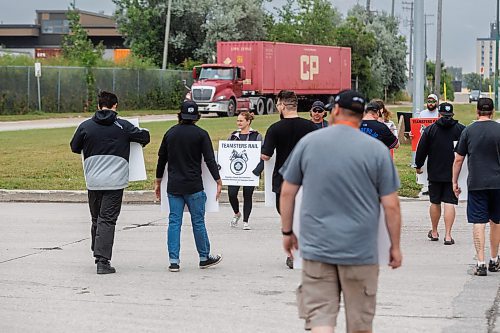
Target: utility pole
[
  {"x": 167, "y": 32},
  {"x": 496, "y": 59},
  {"x": 437, "y": 72},
  {"x": 368, "y": 6},
  {"x": 418, "y": 52},
  {"x": 410, "y": 56},
  {"x": 425, "y": 38},
  {"x": 392, "y": 8}
]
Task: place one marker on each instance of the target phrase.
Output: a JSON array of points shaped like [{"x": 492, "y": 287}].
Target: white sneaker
[
  {"x": 246, "y": 226},
  {"x": 234, "y": 221}
]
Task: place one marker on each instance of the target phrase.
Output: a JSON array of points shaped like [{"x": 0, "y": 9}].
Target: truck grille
[{"x": 202, "y": 94}]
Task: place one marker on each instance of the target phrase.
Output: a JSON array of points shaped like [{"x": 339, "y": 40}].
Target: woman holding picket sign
[{"x": 243, "y": 133}]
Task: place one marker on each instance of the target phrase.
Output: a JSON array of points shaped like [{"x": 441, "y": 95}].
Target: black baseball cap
[
  {"x": 446, "y": 109},
  {"x": 351, "y": 100},
  {"x": 189, "y": 110},
  {"x": 373, "y": 106},
  {"x": 485, "y": 104},
  {"x": 318, "y": 105}
]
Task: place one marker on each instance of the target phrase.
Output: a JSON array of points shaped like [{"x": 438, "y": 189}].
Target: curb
[{"x": 129, "y": 197}]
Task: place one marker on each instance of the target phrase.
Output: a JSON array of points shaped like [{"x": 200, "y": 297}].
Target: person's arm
[
  {"x": 422, "y": 152},
  {"x": 388, "y": 138},
  {"x": 269, "y": 145},
  {"x": 160, "y": 166},
  {"x": 287, "y": 207},
  {"x": 136, "y": 134},
  {"x": 76, "y": 143},
  {"x": 392, "y": 211},
  {"x": 457, "y": 167},
  {"x": 208, "y": 154}
]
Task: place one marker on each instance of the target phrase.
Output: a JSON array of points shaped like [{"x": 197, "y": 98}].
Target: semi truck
[{"x": 249, "y": 75}]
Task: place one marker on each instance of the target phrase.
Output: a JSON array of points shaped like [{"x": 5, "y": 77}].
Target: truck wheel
[
  {"x": 231, "y": 108},
  {"x": 270, "y": 106},
  {"x": 260, "y": 108}
]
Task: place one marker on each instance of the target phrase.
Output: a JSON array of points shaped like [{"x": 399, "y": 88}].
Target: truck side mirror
[{"x": 242, "y": 74}]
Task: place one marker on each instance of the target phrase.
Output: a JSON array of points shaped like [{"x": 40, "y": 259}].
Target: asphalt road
[{"x": 48, "y": 281}]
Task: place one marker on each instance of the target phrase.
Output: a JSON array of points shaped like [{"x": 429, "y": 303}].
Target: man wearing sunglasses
[
  {"x": 318, "y": 114},
  {"x": 432, "y": 108}
]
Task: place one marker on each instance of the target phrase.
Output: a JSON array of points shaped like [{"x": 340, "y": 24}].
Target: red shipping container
[{"x": 305, "y": 69}]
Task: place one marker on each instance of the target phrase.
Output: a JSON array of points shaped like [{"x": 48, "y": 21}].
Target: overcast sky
[{"x": 463, "y": 21}]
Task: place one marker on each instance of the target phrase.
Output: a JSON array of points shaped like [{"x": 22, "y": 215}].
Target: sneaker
[
  {"x": 480, "y": 270},
  {"x": 174, "y": 267},
  {"x": 104, "y": 267},
  {"x": 234, "y": 221},
  {"x": 246, "y": 226},
  {"x": 211, "y": 261},
  {"x": 494, "y": 266},
  {"x": 289, "y": 262}
]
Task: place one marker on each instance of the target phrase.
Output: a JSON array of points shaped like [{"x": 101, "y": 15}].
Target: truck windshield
[{"x": 208, "y": 73}]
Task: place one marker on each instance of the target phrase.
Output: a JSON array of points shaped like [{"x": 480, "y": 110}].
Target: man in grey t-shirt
[{"x": 339, "y": 217}]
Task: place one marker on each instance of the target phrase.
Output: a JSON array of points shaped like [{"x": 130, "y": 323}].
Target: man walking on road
[
  {"x": 339, "y": 217},
  {"x": 104, "y": 141},
  {"x": 437, "y": 145},
  {"x": 283, "y": 136},
  {"x": 183, "y": 147},
  {"x": 480, "y": 142}
]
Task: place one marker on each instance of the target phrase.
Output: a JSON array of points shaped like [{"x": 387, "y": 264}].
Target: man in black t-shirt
[
  {"x": 283, "y": 136},
  {"x": 371, "y": 126},
  {"x": 480, "y": 142}
]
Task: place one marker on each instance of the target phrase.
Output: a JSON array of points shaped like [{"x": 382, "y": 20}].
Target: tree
[
  {"x": 78, "y": 47},
  {"x": 445, "y": 79},
  {"x": 231, "y": 20},
  {"x": 195, "y": 26},
  {"x": 305, "y": 22}
]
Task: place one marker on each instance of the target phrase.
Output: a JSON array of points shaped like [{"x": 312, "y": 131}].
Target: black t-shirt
[
  {"x": 480, "y": 141},
  {"x": 283, "y": 136},
  {"x": 379, "y": 131}
]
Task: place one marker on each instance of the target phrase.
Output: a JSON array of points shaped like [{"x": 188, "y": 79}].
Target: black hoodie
[
  {"x": 437, "y": 145},
  {"x": 104, "y": 141}
]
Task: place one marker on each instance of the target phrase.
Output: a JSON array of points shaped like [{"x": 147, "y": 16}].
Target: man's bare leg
[
  {"x": 435, "y": 213},
  {"x": 449, "y": 219},
  {"x": 478, "y": 234},
  {"x": 494, "y": 238}
]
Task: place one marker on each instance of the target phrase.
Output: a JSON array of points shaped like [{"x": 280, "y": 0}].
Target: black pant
[
  {"x": 232, "y": 192},
  {"x": 104, "y": 207}
]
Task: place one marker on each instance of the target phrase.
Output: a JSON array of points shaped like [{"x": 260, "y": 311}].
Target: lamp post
[
  {"x": 496, "y": 59},
  {"x": 167, "y": 32}
]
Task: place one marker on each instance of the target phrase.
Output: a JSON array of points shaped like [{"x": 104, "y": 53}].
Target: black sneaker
[
  {"x": 480, "y": 270},
  {"x": 174, "y": 267},
  {"x": 104, "y": 267},
  {"x": 494, "y": 266},
  {"x": 211, "y": 261},
  {"x": 289, "y": 262}
]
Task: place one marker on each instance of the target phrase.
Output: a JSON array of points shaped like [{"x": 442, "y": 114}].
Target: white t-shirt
[{"x": 429, "y": 114}]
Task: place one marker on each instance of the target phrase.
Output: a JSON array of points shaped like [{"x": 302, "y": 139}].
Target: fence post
[
  {"x": 138, "y": 85},
  {"x": 58, "y": 90},
  {"x": 29, "y": 70},
  {"x": 114, "y": 80}
]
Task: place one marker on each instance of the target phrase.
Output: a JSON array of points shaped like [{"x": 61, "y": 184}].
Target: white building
[{"x": 485, "y": 53}]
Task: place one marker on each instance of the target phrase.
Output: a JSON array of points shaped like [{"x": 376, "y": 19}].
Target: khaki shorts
[{"x": 318, "y": 297}]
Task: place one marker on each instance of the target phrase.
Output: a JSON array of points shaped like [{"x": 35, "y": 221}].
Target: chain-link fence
[{"x": 64, "y": 89}]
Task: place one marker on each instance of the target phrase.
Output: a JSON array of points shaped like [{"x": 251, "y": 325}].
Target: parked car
[{"x": 474, "y": 96}]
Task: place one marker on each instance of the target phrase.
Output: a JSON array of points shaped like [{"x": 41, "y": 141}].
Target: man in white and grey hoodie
[{"x": 104, "y": 141}]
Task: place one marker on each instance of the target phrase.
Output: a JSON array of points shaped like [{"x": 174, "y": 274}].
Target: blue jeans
[{"x": 196, "y": 206}]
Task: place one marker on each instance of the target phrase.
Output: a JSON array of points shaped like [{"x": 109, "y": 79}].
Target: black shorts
[
  {"x": 483, "y": 205},
  {"x": 442, "y": 192}
]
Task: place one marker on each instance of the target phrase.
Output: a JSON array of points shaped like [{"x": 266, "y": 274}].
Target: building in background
[
  {"x": 485, "y": 53},
  {"x": 44, "y": 38}
]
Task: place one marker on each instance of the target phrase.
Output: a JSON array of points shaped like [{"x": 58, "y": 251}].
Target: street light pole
[
  {"x": 167, "y": 32},
  {"x": 496, "y": 60},
  {"x": 437, "y": 70}
]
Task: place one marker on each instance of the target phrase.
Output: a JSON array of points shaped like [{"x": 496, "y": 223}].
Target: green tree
[
  {"x": 305, "y": 22},
  {"x": 445, "y": 79},
  {"x": 231, "y": 20},
  {"x": 76, "y": 46}
]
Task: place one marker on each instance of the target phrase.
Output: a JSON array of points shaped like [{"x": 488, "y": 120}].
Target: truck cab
[{"x": 219, "y": 88}]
